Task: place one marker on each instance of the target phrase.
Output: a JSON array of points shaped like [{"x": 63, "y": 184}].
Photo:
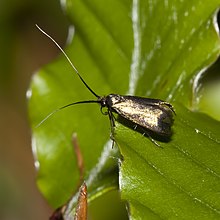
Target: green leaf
[
  {"x": 99, "y": 54},
  {"x": 148, "y": 48},
  {"x": 179, "y": 180}
]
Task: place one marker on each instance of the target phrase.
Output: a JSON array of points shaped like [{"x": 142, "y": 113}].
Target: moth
[{"x": 153, "y": 115}]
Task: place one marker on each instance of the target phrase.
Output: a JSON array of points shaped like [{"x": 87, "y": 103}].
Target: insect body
[{"x": 152, "y": 114}]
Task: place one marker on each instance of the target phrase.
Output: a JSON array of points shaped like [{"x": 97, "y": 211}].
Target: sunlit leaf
[{"x": 149, "y": 48}]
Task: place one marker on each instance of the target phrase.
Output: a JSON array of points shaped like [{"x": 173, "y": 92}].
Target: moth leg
[
  {"x": 152, "y": 140},
  {"x": 112, "y": 125},
  {"x": 104, "y": 113}
]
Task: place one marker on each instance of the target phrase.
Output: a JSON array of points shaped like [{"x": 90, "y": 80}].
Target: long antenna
[
  {"x": 65, "y": 106},
  {"x": 68, "y": 59}
]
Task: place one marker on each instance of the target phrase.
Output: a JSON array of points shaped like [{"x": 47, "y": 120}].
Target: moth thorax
[{"x": 113, "y": 99}]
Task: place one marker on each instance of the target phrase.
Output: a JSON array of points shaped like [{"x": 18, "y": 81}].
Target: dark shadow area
[{"x": 212, "y": 74}]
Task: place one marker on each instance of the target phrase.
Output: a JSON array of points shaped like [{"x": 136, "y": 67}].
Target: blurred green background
[{"x": 23, "y": 49}]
